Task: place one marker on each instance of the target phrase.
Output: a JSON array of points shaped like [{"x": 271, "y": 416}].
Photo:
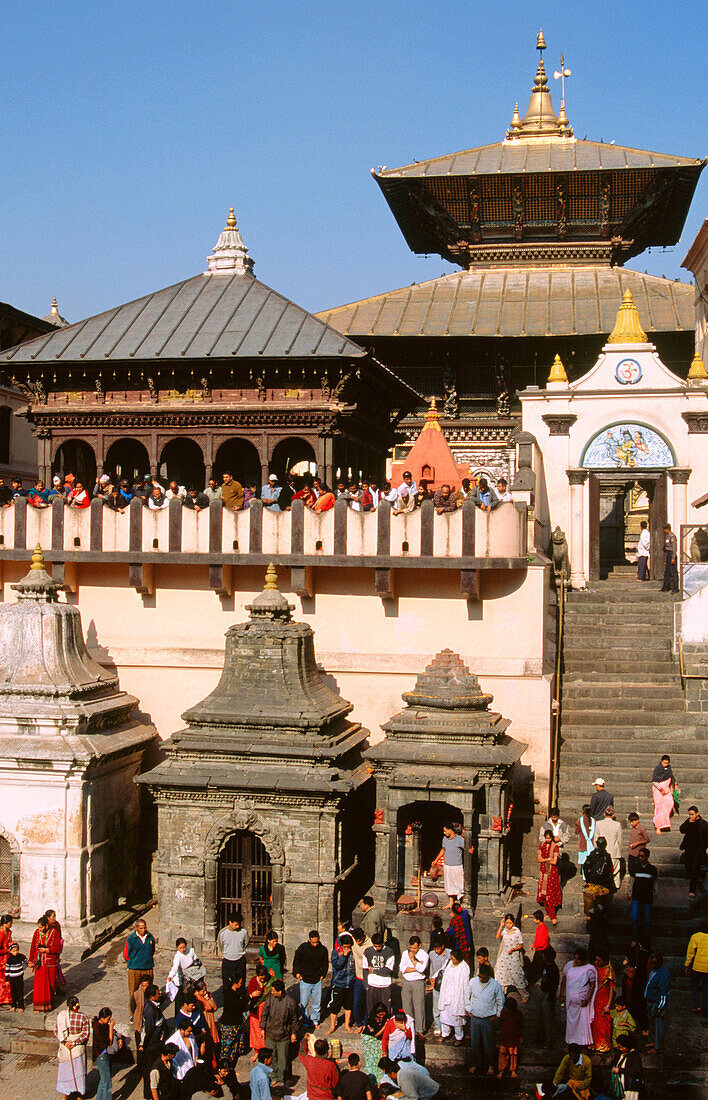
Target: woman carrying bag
[
  {"x": 626, "y": 1076},
  {"x": 72, "y": 1029}
]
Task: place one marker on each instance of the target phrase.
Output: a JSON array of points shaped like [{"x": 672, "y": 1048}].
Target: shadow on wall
[{"x": 522, "y": 819}]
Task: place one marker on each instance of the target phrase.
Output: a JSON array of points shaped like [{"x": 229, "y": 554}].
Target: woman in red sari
[
  {"x": 5, "y": 941},
  {"x": 43, "y": 956},
  {"x": 602, "y": 1021},
  {"x": 549, "y": 893},
  {"x": 257, "y": 991},
  {"x": 53, "y": 923}
]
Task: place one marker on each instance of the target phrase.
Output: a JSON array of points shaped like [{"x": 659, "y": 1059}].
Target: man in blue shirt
[
  {"x": 270, "y": 493},
  {"x": 260, "y": 1075},
  {"x": 484, "y": 1001}
]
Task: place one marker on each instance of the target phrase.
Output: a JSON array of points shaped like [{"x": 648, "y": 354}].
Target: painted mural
[{"x": 627, "y": 446}]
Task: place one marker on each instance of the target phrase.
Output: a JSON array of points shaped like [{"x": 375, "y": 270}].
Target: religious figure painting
[{"x": 627, "y": 446}]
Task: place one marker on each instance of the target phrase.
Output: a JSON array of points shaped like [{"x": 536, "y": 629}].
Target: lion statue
[{"x": 559, "y": 553}]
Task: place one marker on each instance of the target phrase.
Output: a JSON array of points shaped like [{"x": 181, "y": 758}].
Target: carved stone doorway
[{"x": 245, "y": 883}]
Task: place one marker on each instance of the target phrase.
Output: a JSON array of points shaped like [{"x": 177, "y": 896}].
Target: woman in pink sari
[
  {"x": 578, "y": 987},
  {"x": 663, "y": 786}
]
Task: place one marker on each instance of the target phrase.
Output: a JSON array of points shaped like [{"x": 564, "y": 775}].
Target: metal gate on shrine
[{"x": 245, "y": 883}]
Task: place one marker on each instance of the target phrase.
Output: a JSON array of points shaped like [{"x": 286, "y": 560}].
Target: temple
[
  {"x": 541, "y": 224},
  {"x": 217, "y": 372}
]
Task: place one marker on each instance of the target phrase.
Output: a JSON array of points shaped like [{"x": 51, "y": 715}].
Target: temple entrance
[
  {"x": 77, "y": 458},
  {"x": 126, "y": 460},
  {"x": 617, "y": 507},
  {"x": 420, "y": 826},
  {"x": 293, "y": 456},
  {"x": 241, "y": 458},
  {"x": 245, "y": 883},
  {"x": 182, "y": 461}
]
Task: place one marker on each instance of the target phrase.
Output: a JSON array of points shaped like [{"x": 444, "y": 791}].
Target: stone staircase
[{"x": 622, "y": 708}]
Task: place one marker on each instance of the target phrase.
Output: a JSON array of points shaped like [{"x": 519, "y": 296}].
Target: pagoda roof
[
  {"x": 553, "y": 155},
  {"x": 212, "y": 316},
  {"x": 504, "y": 302}
]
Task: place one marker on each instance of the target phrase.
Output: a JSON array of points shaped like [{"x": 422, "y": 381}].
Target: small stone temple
[
  {"x": 260, "y": 796},
  {"x": 446, "y": 757},
  {"x": 71, "y": 834}
]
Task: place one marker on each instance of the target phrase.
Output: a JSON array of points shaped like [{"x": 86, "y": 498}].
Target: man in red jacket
[{"x": 322, "y": 1072}]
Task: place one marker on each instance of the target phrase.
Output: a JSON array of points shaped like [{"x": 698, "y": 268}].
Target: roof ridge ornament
[
  {"x": 558, "y": 374},
  {"x": 54, "y": 316},
  {"x": 540, "y": 120},
  {"x": 697, "y": 371},
  {"x": 230, "y": 255},
  {"x": 628, "y": 329}
]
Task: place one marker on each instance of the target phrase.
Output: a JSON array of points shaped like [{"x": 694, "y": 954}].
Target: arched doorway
[
  {"x": 76, "y": 457},
  {"x": 245, "y": 883},
  {"x": 293, "y": 456},
  {"x": 241, "y": 458},
  {"x": 182, "y": 461},
  {"x": 126, "y": 459}
]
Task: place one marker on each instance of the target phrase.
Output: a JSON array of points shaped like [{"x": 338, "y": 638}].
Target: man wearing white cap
[
  {"x": 600, "y": 800},
  {"x": 270, "y": 493}
]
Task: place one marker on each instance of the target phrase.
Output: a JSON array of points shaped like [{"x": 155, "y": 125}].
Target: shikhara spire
[
  {"x": 540, "y": 120},
  {"x": 230, "y": 255}
]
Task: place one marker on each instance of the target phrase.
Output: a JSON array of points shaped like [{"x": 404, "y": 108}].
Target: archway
[
  {"x": 419, "y": 829},
  {"x": 126, "y": 459},
  {"x": 245, "y": 883},
  {"x": 182, "y": 461},
  {"x": 241, "y": 458},
  {"x": 76, "y": 457},
  {"x": 293, "y": 456}
]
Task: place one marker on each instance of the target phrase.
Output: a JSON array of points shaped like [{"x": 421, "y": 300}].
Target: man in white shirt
[
  {"x": 503, "y": 494},
  {"x": 414, "y": 963},
  {"x": 270, "y": 493},
  {"x": 611, "y": 829},
  {"x": 409, "y": 483},
  {"x": 643, "y": 552},
  {"x": 185, "y": 1060},
  {"x": 439, "y": 958}
]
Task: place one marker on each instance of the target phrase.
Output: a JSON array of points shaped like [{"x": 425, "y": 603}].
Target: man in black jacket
[
  {"x": 161, "y": 1081},
  {"x": 152, "y": 1036},
  {"x": 279, "y": 1025},
  {"x": 310, "y": 966},
  {"x": 693, "y": 845}
]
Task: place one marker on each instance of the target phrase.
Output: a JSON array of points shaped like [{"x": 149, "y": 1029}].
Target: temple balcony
[{"x": 467, "y": 540}]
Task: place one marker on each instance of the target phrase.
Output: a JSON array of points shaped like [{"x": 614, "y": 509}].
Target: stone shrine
[
  {"x": 259, "y": 797},
  {"x": 446, "y": 757},
  {"x": 71, "y": 835}
]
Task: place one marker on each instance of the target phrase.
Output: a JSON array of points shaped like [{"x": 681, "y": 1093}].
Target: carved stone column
[
  {"x": 577, "y": 479},
  {"x": 679, "y": 476}
]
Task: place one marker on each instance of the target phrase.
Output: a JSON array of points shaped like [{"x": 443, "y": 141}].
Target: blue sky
[{"x": 129, "y": 129}]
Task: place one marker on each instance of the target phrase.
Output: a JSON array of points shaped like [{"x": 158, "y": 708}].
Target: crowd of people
[{"x": 276, "y": 495}]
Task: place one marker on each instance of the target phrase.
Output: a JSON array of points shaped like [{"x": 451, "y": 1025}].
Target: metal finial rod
[{"x": 561, "y": 75}]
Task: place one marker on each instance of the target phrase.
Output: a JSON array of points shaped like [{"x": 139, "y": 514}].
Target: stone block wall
[{"x": 696, "y": 663}]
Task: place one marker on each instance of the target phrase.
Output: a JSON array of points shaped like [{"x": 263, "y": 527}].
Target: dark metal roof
[
  {"x": 559, "y": 155},
  {"x": 513, "y": 302},
  {"x": 207, "y": 316}
]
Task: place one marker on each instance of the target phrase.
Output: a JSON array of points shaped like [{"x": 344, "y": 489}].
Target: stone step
[
  {"x": 616, "y": 703},
  {"x": 630, "y": 716},
  {"x": 626, "y": 648},
  {"x": 593, "y": 676},
  {"x": 637, "y": 667},
  {"x": 624, "y": 689},
  {"x": 648, "y": 736}
]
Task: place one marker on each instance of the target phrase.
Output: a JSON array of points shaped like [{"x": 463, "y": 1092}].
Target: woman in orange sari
[
  {"x": 206, "y": 1002},
  {"x": 549, "y": 895},
  {"x": 43, "y": 956},
  {"x": 53, "y": 923},
  {"x": 5, "y": 941},
  {"x": 602, "y": 1021}
]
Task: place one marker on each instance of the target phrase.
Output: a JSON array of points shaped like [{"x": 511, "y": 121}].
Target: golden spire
[
  {"x": 558, "y": 372},
  {"x": 697, "y": 371},
  {"x": 271, "y": 579},
  {"x": 432, "y": 417},
  {"x": 54, "y": 310},
  {"x": 230, "y": 221},
  {"x": 37, "y": 558},
  {"x": 541, "y": 42},
  {"x": 627, "y": 328},
  {"x": 515, "y": 119}
]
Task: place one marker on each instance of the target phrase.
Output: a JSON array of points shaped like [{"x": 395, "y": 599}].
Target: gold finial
[
  {"x": 697, "y": 371},
  {"x": 37, "y": 558},
  {"x": 271, "y": 579},
  {"x": 54, "y": 310},
  {"x": 558, "y": 372},
  {"x": 515, "y": 118},
  {"x": 432, "y": 417},
  {"x": 540, "y": 41},
  {"x": 627, "y": 328},
  {"x": 231, "y": 220}
]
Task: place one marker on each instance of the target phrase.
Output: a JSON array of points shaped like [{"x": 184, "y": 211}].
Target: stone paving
[{"x": 28, "y": 1069}]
